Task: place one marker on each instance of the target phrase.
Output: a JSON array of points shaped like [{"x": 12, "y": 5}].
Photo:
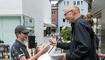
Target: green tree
[
  {"x": 66, "y": 33},
  {"x": 89, "y": 4}
]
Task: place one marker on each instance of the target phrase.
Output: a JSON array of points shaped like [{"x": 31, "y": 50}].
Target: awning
[{"x": 49, "y": 25}]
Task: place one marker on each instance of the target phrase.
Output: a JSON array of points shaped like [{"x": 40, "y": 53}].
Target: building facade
[
  {"x": 54, "y": 16},
  {"x": 23, "y": 12},
  {"x": 83, "y": 5}
]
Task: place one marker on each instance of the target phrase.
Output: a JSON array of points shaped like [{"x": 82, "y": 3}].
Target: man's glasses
[
  {"x": 67, "y": 12},
  {"x": 25, "y": 33}
]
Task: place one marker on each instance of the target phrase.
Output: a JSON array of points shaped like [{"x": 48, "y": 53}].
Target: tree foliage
[
  {"x": 89, "y": 4},
  {"x": 66, "y": 33}
]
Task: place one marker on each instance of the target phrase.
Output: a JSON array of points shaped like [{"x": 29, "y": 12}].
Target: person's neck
[
  {"x": 77, "y": 16},
  {"x": 21, "y": 41}
]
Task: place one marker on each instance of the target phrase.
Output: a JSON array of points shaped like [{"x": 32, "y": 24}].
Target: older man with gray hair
[{"x": 82, "y": 46}]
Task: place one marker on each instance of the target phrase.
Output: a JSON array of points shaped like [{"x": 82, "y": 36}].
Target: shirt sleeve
[
  {"x": 17, "y": 53},
  {"x": 64, "y": 45},
  {"x": 82, "y": 40}
]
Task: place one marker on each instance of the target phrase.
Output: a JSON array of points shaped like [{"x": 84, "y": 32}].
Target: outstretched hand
[{"x": 53, "y": 42}]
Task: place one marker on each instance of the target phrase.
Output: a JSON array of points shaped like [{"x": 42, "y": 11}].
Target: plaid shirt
[{"x": 18, "y": 49}]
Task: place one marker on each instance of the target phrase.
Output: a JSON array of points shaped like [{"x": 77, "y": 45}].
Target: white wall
[
  {"x": 47, "y": 12},
  {"x": 7, "y": 28},
  {"x": 28, "y": 8},
  {"x": 40, "y": 10},
  {"x": 37, "y": 8},
  {"x": 43, "y": 10},
  {"x": 42, "y": 13},
  {"x": 10, "y": 7}
]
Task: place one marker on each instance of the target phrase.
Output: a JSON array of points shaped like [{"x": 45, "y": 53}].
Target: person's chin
[
  {"x": 69, "y": 22},
  {"x": 25, "y": 38}
]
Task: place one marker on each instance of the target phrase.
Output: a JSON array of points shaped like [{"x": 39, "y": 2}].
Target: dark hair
[{"x": 89, "y": 18}]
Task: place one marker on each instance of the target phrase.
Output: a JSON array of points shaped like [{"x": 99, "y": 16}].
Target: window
[
  {"x": 53, "y": 12},
  {"x": 82, "y": 10},
  {"x": 81, "y": 2},
  {"x": 78, "y": 2},
  {"x": 63, "y": 20},
  {"x": 74, "y": 2},
  {"x": 53, "y": 20},
  {"x": 67, "y": 2},
  {"x": 30, "y": 20},
  {"x": 64, "y": 2}
]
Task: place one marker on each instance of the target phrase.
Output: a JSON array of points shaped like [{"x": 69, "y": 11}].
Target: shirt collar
[
  {"x": 77, "y": 20},
  {"x": 20, "y": 44}
]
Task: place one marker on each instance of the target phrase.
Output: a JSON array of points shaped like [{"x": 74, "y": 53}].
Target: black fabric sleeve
[{"x": 64, "y": 45}]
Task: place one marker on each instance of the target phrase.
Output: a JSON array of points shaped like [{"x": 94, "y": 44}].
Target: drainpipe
[{"x": 21, "y": 20}]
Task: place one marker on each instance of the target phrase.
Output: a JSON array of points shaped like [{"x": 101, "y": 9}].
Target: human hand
[{"x": 53, "y": 42}]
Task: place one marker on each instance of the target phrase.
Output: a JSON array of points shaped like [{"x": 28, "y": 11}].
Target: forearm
[
  {"x": 42, "y": 51},
  {"x": 35, "y": 57}
]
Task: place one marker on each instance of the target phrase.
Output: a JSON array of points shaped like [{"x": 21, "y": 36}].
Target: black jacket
[{"x": 82, "y": 47}]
